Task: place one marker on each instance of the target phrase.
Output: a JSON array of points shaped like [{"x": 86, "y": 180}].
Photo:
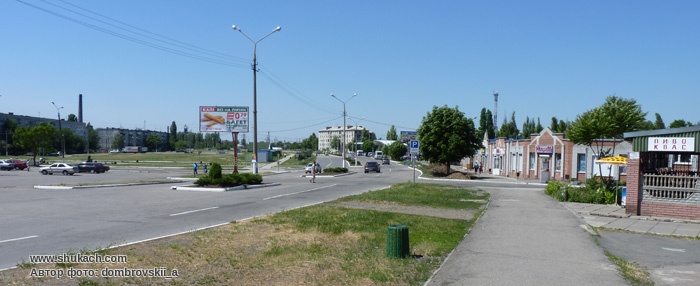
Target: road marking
[
  {"x": 194, "y": 211},
  {"x": 19, "y": 238},
  {"x": 311, "y": 190},
  {"x": 673, "y": 249},
  {"x": 509, "y": 200}
]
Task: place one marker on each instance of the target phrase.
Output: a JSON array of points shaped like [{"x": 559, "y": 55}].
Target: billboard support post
[{"x": 235, "y": 152}]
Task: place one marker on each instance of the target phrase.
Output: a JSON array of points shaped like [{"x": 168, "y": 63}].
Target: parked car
[
  {"x": 62, "y": 168},
  {"x": 386, "y": 161},
  {"x": 372, "y": 166},
  {"x": 92, "y": 167},
  {"x": 19, "y": 164},
  {"x": 6, "y": 165}
]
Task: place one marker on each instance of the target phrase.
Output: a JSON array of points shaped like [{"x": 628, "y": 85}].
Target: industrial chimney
[{"x": 80, "y": 108}]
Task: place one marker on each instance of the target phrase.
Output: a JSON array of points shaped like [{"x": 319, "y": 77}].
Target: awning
[{"x": 616, "y": 160}]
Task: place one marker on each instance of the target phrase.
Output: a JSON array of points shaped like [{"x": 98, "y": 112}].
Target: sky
[{"x": 144, "y": 64}]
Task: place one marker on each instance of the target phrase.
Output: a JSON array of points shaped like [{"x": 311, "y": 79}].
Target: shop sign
[
  {"x": 544, "y": 149},
  {"x": 671, "y": 144}
]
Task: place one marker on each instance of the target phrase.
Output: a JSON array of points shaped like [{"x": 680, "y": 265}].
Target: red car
[{"x": 19, "y": 164}]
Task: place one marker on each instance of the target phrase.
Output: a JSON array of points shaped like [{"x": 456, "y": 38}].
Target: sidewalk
[{"x": 614, "y": 217}]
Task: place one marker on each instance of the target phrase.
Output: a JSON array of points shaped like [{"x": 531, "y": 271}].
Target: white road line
[
  {"x": 194, "y": 211},
  {"x": 311, "y": 190},
  {"x": 19, "y": 238},
  {"x": 673, "y": 249}
]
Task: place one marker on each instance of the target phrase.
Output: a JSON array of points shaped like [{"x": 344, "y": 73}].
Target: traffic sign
[{"x": 414, "y": 146}]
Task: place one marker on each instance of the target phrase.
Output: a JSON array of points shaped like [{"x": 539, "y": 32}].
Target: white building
[{"x": 352, "y": 134}]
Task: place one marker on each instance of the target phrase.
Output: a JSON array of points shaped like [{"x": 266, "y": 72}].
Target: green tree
[
  {"x": 397, "y": 150},
  {"x": 486, "y": 124},
  {"x": 659, "y": 123},
  {"x": 153, "y": 141},
  {"x": 609, "y": 121},
  {"x": 118, "y": 142},
  {"x": 678, "y": 123},
  {"x": 8, "y": 129},
  {"x": 391, "y": 134},
  {"x": 368, "y": 145},
  {"x": 173, "y": 136},
  {"x": 72, "y": 118},
  {"x": 35, "y": 139},
  {"x": 447, "y": 136},
  {"x": 93, "y": 138},
  {"x": 509, "y": 129},
  {"x": 335, "y": 143}
]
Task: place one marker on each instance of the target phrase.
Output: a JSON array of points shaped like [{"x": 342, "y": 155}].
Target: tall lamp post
[
  {"x": 60, "y": 130},
  {"x": 344, "y": 125},
  {"x": 255, "y": 96}
]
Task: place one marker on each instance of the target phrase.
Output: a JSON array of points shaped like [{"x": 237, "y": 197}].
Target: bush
[
  {"x": 591, "y": 193},
  {"x": 230, "y": 180},
  {"x": 215, "y": 172}
]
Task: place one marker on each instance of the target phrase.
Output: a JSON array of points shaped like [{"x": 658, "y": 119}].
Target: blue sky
[{"x": 401, "y": 58}]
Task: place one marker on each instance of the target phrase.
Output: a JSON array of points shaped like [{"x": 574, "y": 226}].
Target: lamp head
[
  {"x": 277, "y": 29},
  {"x": 235, "y": 28}
]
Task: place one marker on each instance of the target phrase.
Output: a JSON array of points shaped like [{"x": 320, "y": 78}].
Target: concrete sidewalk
[
  {"x": 526, "y": 238},
  {"x": 614, "y": 217}
]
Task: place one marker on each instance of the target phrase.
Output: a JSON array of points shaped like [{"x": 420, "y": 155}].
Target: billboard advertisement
[
  {"x": 406, "y": 136},
  {"x": 223, "y": 119}
]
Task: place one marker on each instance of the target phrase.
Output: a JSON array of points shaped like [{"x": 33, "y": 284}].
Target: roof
[{"x": 640, "y": 140}]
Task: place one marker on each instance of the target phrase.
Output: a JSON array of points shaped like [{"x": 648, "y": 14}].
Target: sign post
[
  {"x": 414, "y": 144},
  {"x": 235, "y": 152}
]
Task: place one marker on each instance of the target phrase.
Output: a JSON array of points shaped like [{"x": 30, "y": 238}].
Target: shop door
[{"x": 544, "y": 169}]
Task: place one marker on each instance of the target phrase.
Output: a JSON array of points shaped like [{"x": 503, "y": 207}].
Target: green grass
[
  {"x": 432, "y": 195},
  {"x": 632, "y": 272}
]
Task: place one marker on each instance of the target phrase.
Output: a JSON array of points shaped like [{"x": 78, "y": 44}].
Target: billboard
[
  {"x": 223, "y": 119},
  {"x": 406, "y": 136}
]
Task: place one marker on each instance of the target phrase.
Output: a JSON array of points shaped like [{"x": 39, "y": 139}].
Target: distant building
[
  {"x": 132, "y": 137},
  {"x": 79, "y": 128},
  {"x": 352, "y": 134}
]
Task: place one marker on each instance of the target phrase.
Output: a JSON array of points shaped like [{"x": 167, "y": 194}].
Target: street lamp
[
  {"x": 255, "y": 96},
  {"x": 344, "y": 125},
  {"x": 60, "y": 130}
]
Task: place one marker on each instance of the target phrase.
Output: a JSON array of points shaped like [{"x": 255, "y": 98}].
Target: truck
[
  {"x": 378, "y": 155},
  {"x": 135, "y": 149}
]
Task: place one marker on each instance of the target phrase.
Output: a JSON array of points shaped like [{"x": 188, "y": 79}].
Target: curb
[{"x": 236, "y": 188}]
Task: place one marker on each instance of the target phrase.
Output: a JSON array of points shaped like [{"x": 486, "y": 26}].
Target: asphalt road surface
[{"x": 37, "y": 221}]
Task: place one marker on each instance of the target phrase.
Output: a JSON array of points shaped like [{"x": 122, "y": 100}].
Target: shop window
[
  {"x": 581, "y": 162},
  {"x": 532, "y": 161}
]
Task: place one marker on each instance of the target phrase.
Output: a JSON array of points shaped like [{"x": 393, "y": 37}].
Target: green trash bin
[{"x": 397, "y": 241}]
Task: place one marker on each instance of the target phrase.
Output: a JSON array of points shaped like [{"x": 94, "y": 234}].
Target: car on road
[
  {"x": 386, "y": 161},
  {"x": 310, "y": 166},
  {"x": 19, "y": 164},
  {"x": 6, "y": 165},
  {"x": 372, "y": 166},
  {"x": 61, "y": 168},
  {"x": 92, "y": 167}
]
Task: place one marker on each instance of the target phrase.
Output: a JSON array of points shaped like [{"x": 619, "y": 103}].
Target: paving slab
[
  {"x": 666, "y": 228},
  {"x": 642, "y": 226},
  {"x": 599, "y": 221},
  {"x": 621, "y": 223},
  {"x": 688, "y": 229}
]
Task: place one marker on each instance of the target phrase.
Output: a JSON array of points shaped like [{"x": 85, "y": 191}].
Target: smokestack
[{"x": 80, "y": 108}]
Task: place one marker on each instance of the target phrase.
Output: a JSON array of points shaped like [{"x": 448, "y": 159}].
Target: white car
[
  {"x": 62, "y": 168},
  {"x": 310, "y": 166}
]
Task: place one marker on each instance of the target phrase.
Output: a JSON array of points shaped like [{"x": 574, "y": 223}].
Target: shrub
[
  {"x": 215, "y": 172},
  {"x": 251, "y": 179},
  {"x": 335, "y": 170},
  {"x": 204, "y": 181}
]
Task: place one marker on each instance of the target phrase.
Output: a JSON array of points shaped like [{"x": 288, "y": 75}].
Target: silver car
[
  {"x": 62, "y": 168},
  {"x": 6, "y": 165}
]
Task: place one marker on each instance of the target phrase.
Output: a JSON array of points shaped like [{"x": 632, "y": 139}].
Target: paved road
[{"x": 34, "y": 221}]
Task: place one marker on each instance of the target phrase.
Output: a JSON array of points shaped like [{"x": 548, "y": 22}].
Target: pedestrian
[
  {"x": 205, "y": 168},
  {"x": 313, "y": 173},
  {"x": 194, "y": 168},
  {"x": 28, "y": 165}
]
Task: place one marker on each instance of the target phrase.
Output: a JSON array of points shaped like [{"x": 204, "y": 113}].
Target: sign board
[
  {"x": 671, "y": 144},
  {"x": 406, "y": 136},
  {"x": 223, "y": 119},
  {"x": 413, "y": 146},
  {"x": 544, "y": 149}
]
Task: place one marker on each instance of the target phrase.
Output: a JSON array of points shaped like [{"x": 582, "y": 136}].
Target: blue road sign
[{"x": 414, "y": 144}]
